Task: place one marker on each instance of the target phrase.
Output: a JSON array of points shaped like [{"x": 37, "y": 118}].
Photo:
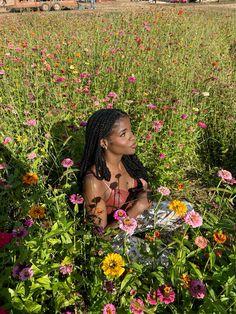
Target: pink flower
[
  {"x": 6, "y": 140},
  {"x": 157, "y": 125},
  {"x": 148, "y": 137},
  {"x": 184, "y": 116},
  {"x": 112, "y": 95},
  {"x": 2, "y": 72},
  {"x": 226, "y": 176},
  {"x": 202, "y": 125},
  {"x": 67, "y": 163},
  {"x": 31, "y": 156},
  {"x": 109, "y": 309},
  {"x": 26, "y": 273},
  {"x": 152, "y": 297},
  {"x": 120, "y": 214},
  {"x": 201, "y": 242},
  {"x": 61, "y": 79},
  {"x": 5, "y": 238},
  {"x": 76, "y": 199},
  {"x": 132, "y": 292},
  {"x": 28, "y": 222},
  {"x": 128, "y": 225},
  {"x": 166, "y": 294},
  {"x": 31, "y": 122},
  {"x": 151, "y": 106},
  {"x": 193, "y": 219},
  {"x": 132, "y": 79},
  {"x": 163, "y": 190},
  {"x": 162, "y": 156},
  {"x": 136, "y": 306},
  {"x": 3, "y": 166},
  {"x": 66, "y": 269},
  {"x": 197, "y": 289}
]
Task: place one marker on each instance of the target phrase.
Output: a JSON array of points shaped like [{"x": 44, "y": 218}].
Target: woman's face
[{"x": 121, "y": 141}]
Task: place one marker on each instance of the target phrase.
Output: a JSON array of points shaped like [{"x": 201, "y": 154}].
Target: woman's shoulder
[{"x": 91, "y": 181}]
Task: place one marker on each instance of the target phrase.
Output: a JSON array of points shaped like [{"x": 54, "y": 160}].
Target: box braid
[{"x": 99, "y": 126}]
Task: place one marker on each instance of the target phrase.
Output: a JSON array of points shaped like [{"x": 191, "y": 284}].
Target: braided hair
[{"x": 100, "y": 126}]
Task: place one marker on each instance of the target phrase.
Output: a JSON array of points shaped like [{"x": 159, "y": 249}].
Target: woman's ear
[{"x": 104, "y": 143}]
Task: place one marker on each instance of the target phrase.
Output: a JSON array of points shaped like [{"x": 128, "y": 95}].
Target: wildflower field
[{"x": 174, "y": 71}]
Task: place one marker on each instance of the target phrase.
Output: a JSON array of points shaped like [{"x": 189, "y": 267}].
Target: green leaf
[
  {"x": 196, "y": 270},
  {"x": 128, "y": 279},
  {"x": 32, "y": 307},
  {"x": 44, "y": 282}
]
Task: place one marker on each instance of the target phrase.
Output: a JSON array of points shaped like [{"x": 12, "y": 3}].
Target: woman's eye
[{"x": 123, "y": 134}]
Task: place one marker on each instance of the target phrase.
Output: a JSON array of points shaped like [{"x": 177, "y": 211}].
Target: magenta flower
[
  {"x": 6, "y": 140},
  {"x": 66, "y": 269},
  {"x": 202, "y": 125},
  {"x": 3, "y": 311},
  {"x": 166, "y": 294},
  {"x": 132, "y": 79},
  {"x": 136, "y": 306},
  {"x": 120, "y": 214},
  {"x": 128, "y": 225},
  {"x": 152, "y": 297},
  {"x": 83, "y": 123},
  {"x": 162, "y": 156},
  {"x": 31, "y": 122},
  {"x": 67, "y": 163},
  {"x": 184, "y": 116},
  {"x": 163, "y": 190},
  {"x": 26, "y": 273},
  {"x": 197, "y": 289},
  {"x": 3, "y": 166},
  {"x": 112, "y": 95},
  {"x": 109, "y": 309},
  {"x": 61, "y": 79},
  {"x": 5, "y": 238},
  {"x": 28, "y": 222},
  {"x": 193, "y": 219},
  {"x": 76, "y": 199},
  {"x": 2, "y": 72},
  {"x": 19, "y": 232},
  {"x": 151, "y": 106}
]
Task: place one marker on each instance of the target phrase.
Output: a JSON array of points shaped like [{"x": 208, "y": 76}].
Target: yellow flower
[
  {"x": 72, "y": 67},
  {"x": 30, "y": 178},
  {"x": 113, "y": 265},
  {"x": 37, "y": 211},
  {"x": 178, "y": 207}
]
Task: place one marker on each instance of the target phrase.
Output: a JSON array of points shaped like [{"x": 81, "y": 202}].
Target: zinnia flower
[
  {"x": 128, "y": 225},
  {"x": 180, "y": 208},
  {"x": 31, "y": 122},
  {"x": 226, "y": 176},
  {"x": 193, "y": 219},
  {"x": 202, "y": 125},
  {"x": 30, "y": 178},
  {"x": 220, "y": 237},
  {"x": 28, "y": 222},
  {"x": 5, "y": 238},
  {"x": 185, "y": 281},
  {"x": 132, "y": 79},
  {"x": 120, "y": 214},
  {"x": 152, "y": 297},
  {"x": 66, "y": 269},
  {"x": 166, "y": 294},
  {"x": 109, "y": 309},
  {"x": 163, "y": 190},
  {"x": 19, "y": 232},
  {"x": 109, "y": 286},
  {"x": 76, "y": 199},
  {"x": 37, "y": 211},
  {"x": 26, "y": 273},
  {"x": 197, "y": 289},
  {"x": 201, "y": 242},
  {"x": 113, "y": 265},
  {"x": 67, "y": 163},
  {"x": 136, "y": 306}
]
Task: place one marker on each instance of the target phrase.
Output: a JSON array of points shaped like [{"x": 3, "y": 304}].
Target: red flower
[{"x": 5, "y": 238}]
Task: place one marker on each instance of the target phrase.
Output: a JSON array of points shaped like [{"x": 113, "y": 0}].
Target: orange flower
[
  {"x": 37, "y": 211},
  {"x": 220, "y": 237},
  {"x": 181, "y": 12},
  {"x": 30, "y": 178},
  {"x": 215, "y": 64},
  {"x": 77, "y": 54},
  {"x": 69, "y": 60},
  {"x": 157, "y": 234},
  {"x": 185, "y": 280},
  {"x": 180, "y": 186},
  {"x": 148, "y": 237}
]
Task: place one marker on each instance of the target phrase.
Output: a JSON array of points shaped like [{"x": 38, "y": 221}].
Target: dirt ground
[{"x": 127, "y": 5}]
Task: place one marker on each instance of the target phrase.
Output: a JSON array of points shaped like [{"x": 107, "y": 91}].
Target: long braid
[{"x": 99, "y": 126}]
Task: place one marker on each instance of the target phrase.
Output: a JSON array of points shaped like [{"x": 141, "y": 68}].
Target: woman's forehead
[{"x": 122, "y": 123}]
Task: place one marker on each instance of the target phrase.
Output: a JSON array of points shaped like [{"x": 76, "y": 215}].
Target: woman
[{"x": 112, "y": 174}]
